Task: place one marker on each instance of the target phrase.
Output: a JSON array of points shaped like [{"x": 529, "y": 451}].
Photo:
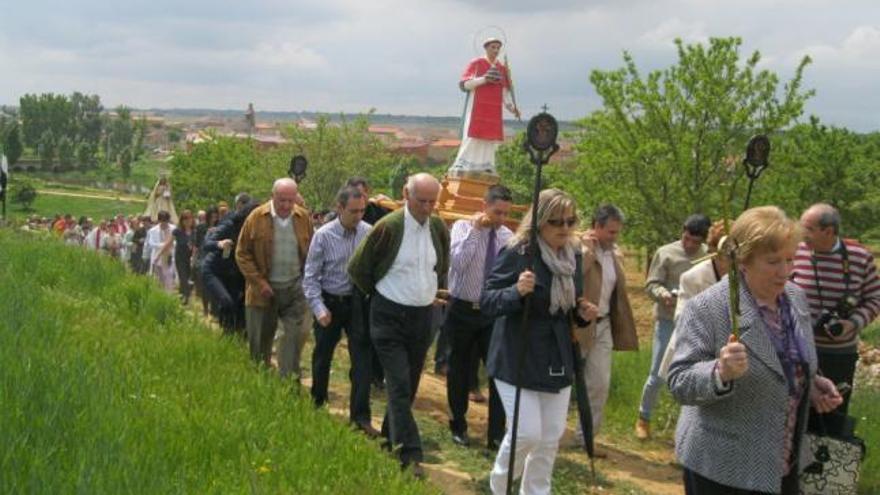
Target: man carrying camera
[{"x": 840, "y": 279}]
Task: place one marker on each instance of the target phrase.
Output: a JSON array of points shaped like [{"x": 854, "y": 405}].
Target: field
[{"x": 108, "y": 386}]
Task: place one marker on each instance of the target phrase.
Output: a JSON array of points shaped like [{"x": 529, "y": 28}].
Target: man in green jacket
[{"x": 401, "y": 265}]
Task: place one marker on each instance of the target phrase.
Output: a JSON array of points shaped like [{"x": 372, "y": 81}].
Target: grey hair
[
  {"x": 414, "y": 179},
  {"x": 828, "y": 216},
  {"x": 284, "y": 181},
  {"x": 607, "y": 212}
]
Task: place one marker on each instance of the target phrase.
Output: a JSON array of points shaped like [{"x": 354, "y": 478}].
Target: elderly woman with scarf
[
  {"x": 555, "y": 285},
  {"x": 745, "y": 401}
]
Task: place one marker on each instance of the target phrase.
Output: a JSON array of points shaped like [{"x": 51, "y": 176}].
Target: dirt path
[
  {"x": 650, "y": 470},
  {"x": 91, "y": 196}
]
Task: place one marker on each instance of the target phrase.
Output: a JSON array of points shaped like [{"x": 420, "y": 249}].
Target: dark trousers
[
  {"x": 227, "y": 296},
  {"x": 341, "y": 310},
  {"x": 469, "y": 331},
  {"x": 839, "y": 368},
  {"x": 694, "y": 484},
  {"x": 401, "y": 335},
  {"x": 444, "y": 345},
  {"x": 184, "y": 276}
]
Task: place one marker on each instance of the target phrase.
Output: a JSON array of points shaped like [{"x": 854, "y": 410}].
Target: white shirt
[
  {"x": 609, "y": 278},
  {"x": 411, "y": 280},
  {"x": 155, "y": 240}
]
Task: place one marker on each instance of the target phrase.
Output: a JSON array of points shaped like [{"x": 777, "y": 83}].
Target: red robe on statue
[{"x": 486, "y": 117}]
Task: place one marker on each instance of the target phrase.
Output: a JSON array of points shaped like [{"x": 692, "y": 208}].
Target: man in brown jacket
[
  {"x": 271, "y": 252},
  {"x": 605, "y": 287}
]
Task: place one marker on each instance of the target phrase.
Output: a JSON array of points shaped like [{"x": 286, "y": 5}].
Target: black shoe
[
  {"x": 461, "y": 439},
  {"x": 416, "y": 469},
  {"x": 368, "y": 429}
]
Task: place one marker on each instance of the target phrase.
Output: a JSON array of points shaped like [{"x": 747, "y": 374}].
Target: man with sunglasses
[{"x": 669, "y": 262}]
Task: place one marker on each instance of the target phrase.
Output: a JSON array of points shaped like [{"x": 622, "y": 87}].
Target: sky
[{"x": 405, "y": 56}]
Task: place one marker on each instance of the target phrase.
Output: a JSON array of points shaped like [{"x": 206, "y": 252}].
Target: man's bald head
[
  {"x": 821, "y": 226},
  {"x": 284, "y": 193},
  {"x": 421, "y": 193}
]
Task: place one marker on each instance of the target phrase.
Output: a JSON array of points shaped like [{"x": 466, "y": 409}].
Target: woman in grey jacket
[
  {"x": 546, "y": 375},
  {"x": 745, "y": 401}
]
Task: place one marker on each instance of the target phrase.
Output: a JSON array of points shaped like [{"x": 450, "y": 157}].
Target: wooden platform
[{"x": 462, "y": 197}]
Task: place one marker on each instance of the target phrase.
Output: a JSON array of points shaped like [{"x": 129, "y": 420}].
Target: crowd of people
[{"x": 382, "y": 277}]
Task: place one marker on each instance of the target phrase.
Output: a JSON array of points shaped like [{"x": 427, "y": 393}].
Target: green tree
[
  {"x": 814, "y": 162},
  {"x": 336, "y": 151},
  {"x": 65, "y": 153},
  {"x": 46, "y": 148},
  {"x": 213, "y": 171},
  {"x": 140, "y": 133},
  {"x": 657, "y": 148},
  {"x": 174, "y": 135},
  {"x": 12, "y": 145},
  {"x": 125, "y": 159},
  {"x": 120, "y": 133},
  {"x": 85, "y": 155},
  {"x": 86, "y": 122},
  {"x": 23, "y": 194},
  {"x": 41, "y": 113}
]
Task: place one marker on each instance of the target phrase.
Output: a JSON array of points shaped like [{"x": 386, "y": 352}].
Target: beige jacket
[
  {"x": 253, "y": 252},
  {"x": 623, "y": 326}
]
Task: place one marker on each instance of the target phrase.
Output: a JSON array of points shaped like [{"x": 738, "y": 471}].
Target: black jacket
[
  {"x": 228, "y": 228},
  {"x": 548, "y": 365}
]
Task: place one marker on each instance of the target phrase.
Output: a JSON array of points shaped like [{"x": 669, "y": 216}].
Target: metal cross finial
[{"x": 545, "y": 108}]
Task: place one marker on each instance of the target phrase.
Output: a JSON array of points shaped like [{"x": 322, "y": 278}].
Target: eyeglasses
[{"x": 558, "y": 222}]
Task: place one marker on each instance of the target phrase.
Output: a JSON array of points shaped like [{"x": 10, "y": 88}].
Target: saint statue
[
  {"x": 160, "y": 200},
  {"x": 487, "y": 83}
]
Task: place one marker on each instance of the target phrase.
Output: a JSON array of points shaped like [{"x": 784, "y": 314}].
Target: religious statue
[
  {"x": 488, "y": 85},
  {"x": 160, "y": 200}
]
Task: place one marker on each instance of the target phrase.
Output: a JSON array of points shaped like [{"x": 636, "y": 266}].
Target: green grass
[
  {"x": 865, "y": 408},
  {"x": 47, "y": 205},
  {"x": 108, "y": 386},
  {"x": 144, "y": 172}
]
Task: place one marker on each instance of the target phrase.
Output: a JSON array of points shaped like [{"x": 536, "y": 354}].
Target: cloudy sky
[{"x": 404, "y": 56}]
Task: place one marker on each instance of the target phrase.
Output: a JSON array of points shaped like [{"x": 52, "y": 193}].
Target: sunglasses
[{"x": 568, "y": 222}]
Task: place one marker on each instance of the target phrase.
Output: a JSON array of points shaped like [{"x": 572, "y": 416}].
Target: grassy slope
[
  {"x": 108, "y": 386},
  {"x": 47, "y": 205}
]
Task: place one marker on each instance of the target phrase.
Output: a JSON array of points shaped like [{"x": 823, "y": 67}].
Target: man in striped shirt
[
  {"x": 331, "y": 296},
  {"x": 473, "y": 247},
  {"x": 840, "y": 279}
]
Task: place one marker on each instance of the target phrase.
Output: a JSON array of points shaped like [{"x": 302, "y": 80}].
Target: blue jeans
[{"x": 662, "y": 333}]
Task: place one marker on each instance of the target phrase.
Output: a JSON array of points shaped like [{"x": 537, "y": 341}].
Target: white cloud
[{"x": 663, "y": 35}]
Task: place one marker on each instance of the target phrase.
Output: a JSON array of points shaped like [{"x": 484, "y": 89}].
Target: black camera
[{"x": 830, "y": 319}]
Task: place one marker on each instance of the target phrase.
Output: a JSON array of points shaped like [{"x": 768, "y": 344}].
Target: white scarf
[{"x": 562, "y": 265}]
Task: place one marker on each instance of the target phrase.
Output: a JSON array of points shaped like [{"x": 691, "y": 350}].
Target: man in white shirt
[{"x": 401, "y": 265}]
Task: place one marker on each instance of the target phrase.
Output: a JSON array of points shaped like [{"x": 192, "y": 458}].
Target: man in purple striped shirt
[
  {"x": 840, "y": 280},
  {"x": 333, "y": 300},
  {"x": 475, "y": 243}
]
